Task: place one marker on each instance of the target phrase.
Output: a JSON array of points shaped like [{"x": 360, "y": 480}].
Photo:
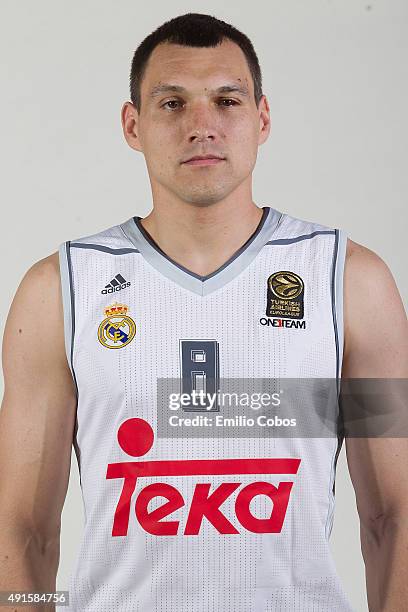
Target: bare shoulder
[
  {"x": 44, "y": 269},
  {"x": 367, "y": 274},
  {"x": 36, "y": 312},
  {"x": 375, "y": 322},
  {"x": 42, "y": 279},
  {"x": 358, "y": 256}
]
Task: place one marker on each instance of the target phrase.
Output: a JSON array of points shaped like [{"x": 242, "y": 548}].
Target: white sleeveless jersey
[{"x": 183, "y": 511}]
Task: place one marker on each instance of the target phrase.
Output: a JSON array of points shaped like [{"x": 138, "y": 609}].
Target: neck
[{"x": 201, "y": 238}]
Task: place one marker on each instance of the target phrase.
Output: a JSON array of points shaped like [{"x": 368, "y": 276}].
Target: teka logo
[{"x": 135, "y": 437}]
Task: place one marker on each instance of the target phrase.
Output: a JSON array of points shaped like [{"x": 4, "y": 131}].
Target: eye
[
  {"x": 234, "y": 102},
  {"x": 175, "y": 102}
]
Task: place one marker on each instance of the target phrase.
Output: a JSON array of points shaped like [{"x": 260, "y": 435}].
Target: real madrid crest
[
  {"x": 285, "y": 295},
  {"x": 117, "y": 329}
]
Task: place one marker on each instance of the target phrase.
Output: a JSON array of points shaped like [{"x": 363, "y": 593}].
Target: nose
[
  {"x": 201, "y": 124},
  {"x": 202, "y": 135}
]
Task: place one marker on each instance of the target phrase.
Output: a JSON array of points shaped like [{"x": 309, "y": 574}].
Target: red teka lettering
[{"x": 135, "y": 437}]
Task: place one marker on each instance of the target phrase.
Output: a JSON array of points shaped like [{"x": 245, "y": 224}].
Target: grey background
[{"x": 335, "y": 75}]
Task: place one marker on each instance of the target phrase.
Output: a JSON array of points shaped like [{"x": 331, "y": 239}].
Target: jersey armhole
[
  {"x": 68, "y": 304},
  {"x": 339, "y": 257},
  {"x": 338, "y": 297},
  {"x": 64, "y": 252}
]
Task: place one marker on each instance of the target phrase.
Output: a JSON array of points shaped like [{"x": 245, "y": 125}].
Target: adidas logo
[{"x": 116, "y": 284}]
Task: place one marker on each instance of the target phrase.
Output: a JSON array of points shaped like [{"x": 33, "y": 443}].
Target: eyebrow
[{"x": 167, "y": 87}]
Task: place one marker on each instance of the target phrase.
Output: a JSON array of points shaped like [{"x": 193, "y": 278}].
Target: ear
[
  {"x": 264, "y": 120},
  {"x": 130, "y": 126}
]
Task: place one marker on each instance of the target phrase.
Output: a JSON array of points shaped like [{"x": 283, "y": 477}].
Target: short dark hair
[{"x": 192, "y": 30}]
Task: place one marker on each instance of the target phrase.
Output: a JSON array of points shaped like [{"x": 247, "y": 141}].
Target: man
[{"x": 207, "y": 287}]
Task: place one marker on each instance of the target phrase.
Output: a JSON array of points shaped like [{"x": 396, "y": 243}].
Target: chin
[
  {"x": 205, "y": 194},
  {"x": 204, "y": 197}
]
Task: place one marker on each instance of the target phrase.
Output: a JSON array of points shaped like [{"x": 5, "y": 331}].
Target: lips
[
  {"x": 204, "y": 157},
  {"x": 204, "y": 160}
]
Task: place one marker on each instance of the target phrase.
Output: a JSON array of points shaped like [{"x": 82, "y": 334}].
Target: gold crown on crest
[{"x": 116, "y": 309}]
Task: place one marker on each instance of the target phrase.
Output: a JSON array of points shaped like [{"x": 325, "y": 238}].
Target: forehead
[{"x": 197, "y": 66}]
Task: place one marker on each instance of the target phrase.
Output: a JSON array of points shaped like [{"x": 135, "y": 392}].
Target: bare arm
[
  {"x": 36, "y": 429},
  {"x": 376, "y": 346}
]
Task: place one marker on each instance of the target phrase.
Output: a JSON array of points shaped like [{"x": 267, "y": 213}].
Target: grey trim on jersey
[
  {"x": 338, "y": 288},
  {"x": 337, "y": 295},
  {"x": 333, "y": 293},
  {"x": 68, "y": 304},
  {"x": 202, "y": 285},
  {"x": 101, "y": 247},
  {"x": 299, "y": 238}
]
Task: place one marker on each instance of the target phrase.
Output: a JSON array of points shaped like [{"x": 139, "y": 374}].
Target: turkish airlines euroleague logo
[{"x": 135, "y": 437}]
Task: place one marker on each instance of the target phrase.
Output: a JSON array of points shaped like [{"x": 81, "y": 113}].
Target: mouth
[{"x": 203, "y": 160}]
